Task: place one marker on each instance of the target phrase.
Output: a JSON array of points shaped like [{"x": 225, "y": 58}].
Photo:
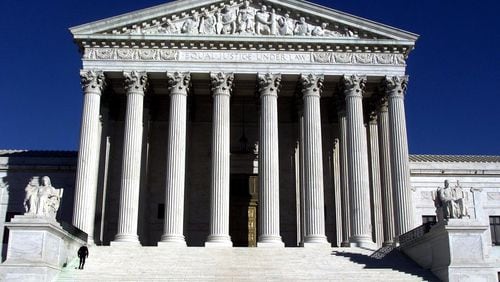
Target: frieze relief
[
  {"x": 135, "y": 54},
  {"x": 243, "y": 18}
]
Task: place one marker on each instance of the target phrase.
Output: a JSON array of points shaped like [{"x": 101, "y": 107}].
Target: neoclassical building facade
[{"x": 217, "y": 123}]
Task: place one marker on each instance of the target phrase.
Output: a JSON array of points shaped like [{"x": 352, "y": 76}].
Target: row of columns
[
  {"x": 389, "y": 163},
  {"x": 353, "y": 158}
]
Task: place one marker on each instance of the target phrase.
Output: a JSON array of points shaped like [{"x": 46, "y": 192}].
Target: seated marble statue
[
  {"x": 42, "y": 200},
  {"x": 450, "y": 202}
]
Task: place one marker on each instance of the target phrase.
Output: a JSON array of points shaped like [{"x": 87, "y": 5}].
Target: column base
[
  {"x": 361, "y": 241},
  {"x": 345, "y": 244},
  {"x": 126, "y": 240},
  {"x": 324, "y": 245},
  {"x": 218, "y": 241},
  {"x": 171, "y": 240},
  {"x": 271, "y": 244},
  {"x": 172, "y": 244},
  {"x": 316, "y": 241},
  {"x": 270, "y": 241}
]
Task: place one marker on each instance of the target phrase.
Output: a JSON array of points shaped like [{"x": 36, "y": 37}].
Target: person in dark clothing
[{"x": 83, "y": 253}]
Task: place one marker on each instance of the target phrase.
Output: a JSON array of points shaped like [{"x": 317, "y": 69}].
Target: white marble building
[
  {"x": 176, "y": 96},
  {"x": 229, "y": 123}
]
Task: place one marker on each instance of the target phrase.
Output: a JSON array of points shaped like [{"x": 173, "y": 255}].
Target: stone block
[
  {"x": 38, "y": 249},
  {"x": 454, "y": 250}
]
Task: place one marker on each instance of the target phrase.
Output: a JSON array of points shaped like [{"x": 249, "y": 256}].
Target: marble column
[
  {"x": 337, "y": 192},
  {"x": 219, "y": 199},
  {"x": 269, "y": 200},
  {"x": 376, "y": 190},
  {"x": 359, "y": 182},
  {"x": 176, "y": 160},
  {"x": 385, "y": 172},
  {"x": 313, "y": 161},
  {"x": 344, "y": 176},
  {"x": 135, "y": 87},
  {"x": 87, "y": 170},
  {"x": 395, "y": 88}
]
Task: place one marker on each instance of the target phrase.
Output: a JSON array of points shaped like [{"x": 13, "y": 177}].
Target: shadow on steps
[{"x": 388, "y": 258}]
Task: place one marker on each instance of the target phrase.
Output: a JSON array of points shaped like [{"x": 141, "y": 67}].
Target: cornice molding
[{"x": 182, "y": 10}]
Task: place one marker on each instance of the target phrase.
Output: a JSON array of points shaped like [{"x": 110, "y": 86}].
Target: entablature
[{"x": 231, "y": 42}]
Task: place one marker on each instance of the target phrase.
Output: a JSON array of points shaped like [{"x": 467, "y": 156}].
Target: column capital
[
  {"x": 92, "y": 81},
  {"x": 222, "y": 83},
  {"x": 135, "y": 81},
  {"x": 373, "y": 117},
  {"x": 178, "y": 82},
  {"x": 353, "y": 85},
  {"x": 312, "y": 84},
  {"x": 269, "y": 84},
  {"x": 395, "y": 86},
  {"x": 383, "y": 105}
]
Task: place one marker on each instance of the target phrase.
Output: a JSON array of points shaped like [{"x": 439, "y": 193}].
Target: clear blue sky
[{"x": 453, "y": 101}]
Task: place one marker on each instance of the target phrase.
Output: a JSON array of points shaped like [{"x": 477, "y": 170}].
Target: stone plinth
[
  {"x": 38, "y": 249},
  {"x": 455, "y": 250}
]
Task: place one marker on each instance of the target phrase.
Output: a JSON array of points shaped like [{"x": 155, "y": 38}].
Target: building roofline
[{"x": 455, "y": 158}]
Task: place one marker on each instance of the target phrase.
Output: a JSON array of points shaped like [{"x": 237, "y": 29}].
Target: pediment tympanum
[
  {"x": 285, "y": 18},
  {"x": 240, "y": 18}
]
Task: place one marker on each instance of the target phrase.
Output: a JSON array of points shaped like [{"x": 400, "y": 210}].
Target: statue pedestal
[
  {"x": 38, "y": 248},
  {"x": 454, "y": 250}
]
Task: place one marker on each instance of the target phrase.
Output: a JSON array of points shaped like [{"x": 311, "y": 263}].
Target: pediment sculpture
[
  {"x": 244, "y": 19},
  {"x": 41, "y": 198},
  {"x": 450, "y": 202}
]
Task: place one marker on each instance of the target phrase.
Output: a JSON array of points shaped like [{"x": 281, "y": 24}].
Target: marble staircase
[{"x": 242, "y": 264}]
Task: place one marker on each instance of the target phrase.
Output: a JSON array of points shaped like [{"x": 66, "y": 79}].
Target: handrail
[
  {"x": 74, "y": 231},
  {"x": 416, "y": 233}
]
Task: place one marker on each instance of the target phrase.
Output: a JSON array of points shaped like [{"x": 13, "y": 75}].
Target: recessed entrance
[{"x": 243, "y": 210}]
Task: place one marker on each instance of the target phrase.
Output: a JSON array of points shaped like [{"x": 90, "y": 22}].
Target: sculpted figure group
[
  {"x": 450, "y": 201},
  {"x": 242, "y": 19},
  {"x": 42, "y": 199}
]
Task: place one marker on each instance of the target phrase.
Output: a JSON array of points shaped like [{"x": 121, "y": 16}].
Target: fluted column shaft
[
  {"x": 359, "y": 182},
  {"x": 219, "y": 199},
  {"x": 376, "y": 193},
  {"x": 344, "y": 179},
  {"x": 88, "y": 154},
  {"x": 269, "y": 209},
  {"x": 173, "y": 232},
  {"x": 313, "y": 161},
  {"x": 135, "y": 85},
  {"x": 385, "y": 173},
  {"x": 337, "y": 192},
  {"x": 403, "y": 209}
]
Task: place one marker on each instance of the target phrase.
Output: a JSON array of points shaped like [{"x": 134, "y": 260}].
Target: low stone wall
[
  {"x": 38, "y": 249},
  {"x": 454, "y": 250}
]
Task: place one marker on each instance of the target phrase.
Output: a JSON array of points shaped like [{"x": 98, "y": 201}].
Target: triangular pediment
[{"x": 272, "y": 18}]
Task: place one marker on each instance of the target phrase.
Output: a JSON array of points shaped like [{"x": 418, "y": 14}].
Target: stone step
[{"x": 120, "y": 263}]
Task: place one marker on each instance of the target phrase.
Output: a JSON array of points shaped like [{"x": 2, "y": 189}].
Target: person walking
[{"x": 83, "y": 253}]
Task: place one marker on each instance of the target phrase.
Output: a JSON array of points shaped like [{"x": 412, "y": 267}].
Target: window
[
  {"x": 428, "y": 218},
  {"x": 495, "y": 230}
]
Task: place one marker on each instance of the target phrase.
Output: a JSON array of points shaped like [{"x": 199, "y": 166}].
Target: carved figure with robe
[
  {"x": 450, "y": 202},
  {"x": 208, "y": 24},
  {"x": 246, "y": 19},
  {"x": 169, "y": 27},
  {"x": 227, "y": 20},
  {"x": 285, "y": 25},
  {"x": 191, "y": 24},
  {"x": 42, "y": 199},
  {"x": 302, "y": 27},
  {"x": 265, "y": 22}
]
